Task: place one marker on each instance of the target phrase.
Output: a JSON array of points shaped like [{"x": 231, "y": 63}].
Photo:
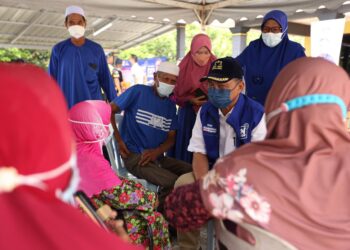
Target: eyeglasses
[{"x": 275, "y": 29}]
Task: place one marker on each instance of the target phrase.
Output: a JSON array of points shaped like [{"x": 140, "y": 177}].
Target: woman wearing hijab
[
  {"x": 90, "y": 121},
  {"x": 190, "y": 93},
  {"x": 301, "y": 168},
  {"x": 37, "y": 168},
  {"x": 264, "y": 58}
]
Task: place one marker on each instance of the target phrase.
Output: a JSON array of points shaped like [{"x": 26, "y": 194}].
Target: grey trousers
[{"x": 164, "y": 172}]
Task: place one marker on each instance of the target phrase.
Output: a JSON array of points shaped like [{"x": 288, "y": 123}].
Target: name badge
[{"x": 209, "y": 128}]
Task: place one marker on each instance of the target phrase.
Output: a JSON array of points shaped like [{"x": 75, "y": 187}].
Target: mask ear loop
[
  {"x": 92, "y": 123},
  {"x": 282, "y": 108},
  {"x": 307, "y": 100}
]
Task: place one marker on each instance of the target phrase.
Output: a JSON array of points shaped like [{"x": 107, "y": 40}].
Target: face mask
[
  {"x": 66, "y": 195},
  {"x": 220, "y": 98},
  {"x": 164, "y": 89},
  {"x": 272, "y": 39},
  {"x": 10, "y": 179},
  {"x": 100, "y": 130},
  {"x": 307, "y": 100},
  {"x": 76, "y": 31}
]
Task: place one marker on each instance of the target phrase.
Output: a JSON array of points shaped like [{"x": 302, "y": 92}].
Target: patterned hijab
[{"x": 302, "y": 168}]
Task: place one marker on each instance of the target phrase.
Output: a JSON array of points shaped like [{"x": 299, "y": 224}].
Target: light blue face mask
[
  {"x": 307, "y": 100},
  {"x": 220, "y": 98}
]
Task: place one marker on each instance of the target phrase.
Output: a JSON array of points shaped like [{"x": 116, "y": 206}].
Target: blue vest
[{"x": 245, "y": 116}]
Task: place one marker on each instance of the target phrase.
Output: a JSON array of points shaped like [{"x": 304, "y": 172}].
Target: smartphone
[
  {"x": 199, "y": 92},
  {"x": 84, "y": 201}
]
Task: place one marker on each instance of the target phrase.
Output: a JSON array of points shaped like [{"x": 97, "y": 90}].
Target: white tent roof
[{"x": 39, "y": 23}]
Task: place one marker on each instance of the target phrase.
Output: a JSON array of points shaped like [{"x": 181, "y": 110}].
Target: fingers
[
  {"x": 144, "y": 160},
  {"x": 118, "y": 228},
  {"x": 199, "y": 100}
]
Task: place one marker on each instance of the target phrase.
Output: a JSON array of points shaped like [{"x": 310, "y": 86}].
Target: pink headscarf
[
  {"x": 90, "y": 121},
  {"x": 36, "y": 138},
  {"x": 191, "y": 72},
  {"x": 302, "y": 168}
]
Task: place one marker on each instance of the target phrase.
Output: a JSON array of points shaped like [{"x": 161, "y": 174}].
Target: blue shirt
[
  {"x": 81, "y": 71},
  {"x": 148, "y": 118}
]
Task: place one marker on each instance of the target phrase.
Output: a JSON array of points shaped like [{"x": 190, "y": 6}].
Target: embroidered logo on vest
[{"x": 244, "y": 131}]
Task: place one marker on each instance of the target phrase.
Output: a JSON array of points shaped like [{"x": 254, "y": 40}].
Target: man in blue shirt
[
  {"x": 148, "y": 130},
  {"x": 79, "y": 64}
]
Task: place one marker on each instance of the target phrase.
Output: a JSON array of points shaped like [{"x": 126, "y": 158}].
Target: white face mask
[
  {"x": 76, "y": 31},
  {"x": 11, "y": 179},
  {"x": 66, "y": 195},
  {"x": 164, "y": 89},
  {"x": 272, "y": 39}
]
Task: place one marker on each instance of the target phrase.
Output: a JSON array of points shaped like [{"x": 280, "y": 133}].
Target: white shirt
[
  {"x": 227, "y": 135},
  {"x": 137, "y": 72}
]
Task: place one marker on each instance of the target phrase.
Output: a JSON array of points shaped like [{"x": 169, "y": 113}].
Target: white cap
[
  {"x": 74, "y": 10},
  {"x": 169, "y": 67}
]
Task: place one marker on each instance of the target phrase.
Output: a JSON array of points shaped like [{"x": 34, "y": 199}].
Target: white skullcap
[
  {"x": 169, "y": 67},
  {"x": 74, "y": 10}
]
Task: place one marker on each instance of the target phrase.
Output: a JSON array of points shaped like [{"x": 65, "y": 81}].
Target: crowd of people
[{"x": 260, "y": 139}]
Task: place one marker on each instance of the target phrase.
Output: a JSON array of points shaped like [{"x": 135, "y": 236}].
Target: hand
[
  {"x": 117, "y": 227},
  {"x": 108, "y": 215},
  {"x": 198, "y": 101},
  {"x": 123, "y": 149},
  {"x": 149, "y": 155}
]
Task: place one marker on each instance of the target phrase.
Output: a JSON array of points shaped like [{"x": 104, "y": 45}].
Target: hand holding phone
[
  {"x": 104, "y": 216},
  {"x": 89, "y": 208},
  {"x": 199, "y": 92}
]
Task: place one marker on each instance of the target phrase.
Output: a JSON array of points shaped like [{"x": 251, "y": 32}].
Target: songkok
[
  {"x": 169, "y": 67},
  {"x": 74, "y": 10}
]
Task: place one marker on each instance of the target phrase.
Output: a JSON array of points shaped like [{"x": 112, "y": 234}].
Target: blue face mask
[{"x": 220, "y": 98}]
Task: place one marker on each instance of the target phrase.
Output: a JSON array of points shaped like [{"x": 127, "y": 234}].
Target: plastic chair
[
  {"x": 117, "y": 161},
  {"x": 264, "y": 240}
]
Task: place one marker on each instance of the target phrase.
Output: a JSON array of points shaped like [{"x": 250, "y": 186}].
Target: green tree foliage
[
  {"x": 38, "y": 57},
  {"x": 165, "y": 45}
]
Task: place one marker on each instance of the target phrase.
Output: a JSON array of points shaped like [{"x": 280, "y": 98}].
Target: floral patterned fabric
[
  {"x": 227, "y": 197},
  {"x": 230, "y": 197},
  {"x": 139, "y": 205},
  {"x": 184, "y": 208}
]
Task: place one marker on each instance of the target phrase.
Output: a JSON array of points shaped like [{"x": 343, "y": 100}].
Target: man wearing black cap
[{"x": 227, "y": 121}]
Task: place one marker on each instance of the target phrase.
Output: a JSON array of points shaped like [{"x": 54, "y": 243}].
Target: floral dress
[
  {"x": 139, "y": 215},
  {"x": 225, "y": 197}
]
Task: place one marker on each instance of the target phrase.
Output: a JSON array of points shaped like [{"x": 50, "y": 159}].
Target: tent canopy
[{"x": 39, "y": 24}]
